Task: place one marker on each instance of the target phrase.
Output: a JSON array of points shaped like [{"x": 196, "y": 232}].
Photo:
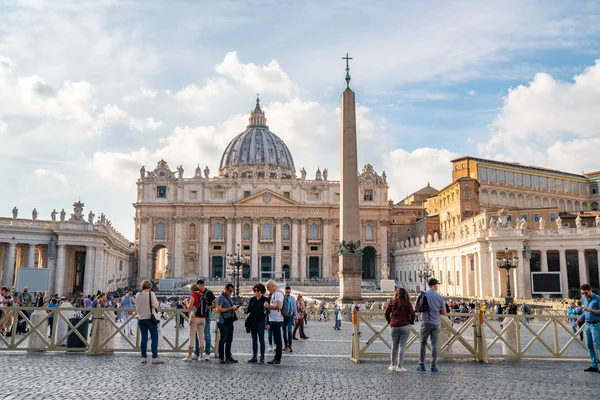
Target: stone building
[
  {"x": 288, "y": 223},
  {"x": 83, "y": 256},
  {"x": 546, "y": 218}
]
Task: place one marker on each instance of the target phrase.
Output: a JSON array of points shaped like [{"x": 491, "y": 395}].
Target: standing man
[
  {"x": 127, "y": 304},
  {"x": 591, "y": 316},
  {"x": 25, "y": 299},
  {"x": 210, "y": 300},
  {"x": 290, "y": 315},
  {"x": 275, "y": 319},
  {"x": 227, "y": 310},
  {"x": 431, "y": 305}
]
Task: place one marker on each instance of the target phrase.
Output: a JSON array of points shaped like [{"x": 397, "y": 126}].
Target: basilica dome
[{"x": 257, "y": 152}]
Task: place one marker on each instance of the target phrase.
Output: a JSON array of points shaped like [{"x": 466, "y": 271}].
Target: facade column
[
  {"x": 229, "y": 236},
  {"x": 31, "y": 256},
  {"x": 204, "y": 267},
  {"x": 326, "y": 263},
  {"x": 99, "y": 270},
  {"x": 494, "y": 275},
  {"x": 294, "y": 272},
  {"x": 88, "y": 279},
  {"x": 177, "y": 266},
  {"x": 544, "y": 259},
  {"x": 465, "y": 264},
  {"x": 277, "y": 245},
  {"x": 303, "y": 238},
  {"x": 144, "y": 268},
  {"x": 238, "y": 231},
  {"x": 583, "y": 274},
  {"x": 525, "y": 265},
  {"x": 479, "y": 279},
  {"x": 564, "y": 277},
  {"x": 8, "y": 272},
  {"x": 255, "y": 268},
  {"x": 59, "y": 279},
  {"x": 383, "y": 242}
]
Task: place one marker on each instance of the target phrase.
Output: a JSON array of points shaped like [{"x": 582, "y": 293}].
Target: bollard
[{"x": 37, "y": 339}]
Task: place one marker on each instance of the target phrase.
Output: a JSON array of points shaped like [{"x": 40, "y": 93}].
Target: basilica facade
[{"x": 259, "y": 205}]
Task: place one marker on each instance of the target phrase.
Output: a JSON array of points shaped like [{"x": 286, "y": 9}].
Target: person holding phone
[{"x": 227, "y": 317}]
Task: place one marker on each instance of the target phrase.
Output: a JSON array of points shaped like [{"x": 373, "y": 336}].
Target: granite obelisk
[{"x": 350, "y": 256}]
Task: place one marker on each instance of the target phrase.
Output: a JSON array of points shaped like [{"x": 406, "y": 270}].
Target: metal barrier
[
  {"x": 479, "y": 336},
  {"x": 32, "y": 333}
]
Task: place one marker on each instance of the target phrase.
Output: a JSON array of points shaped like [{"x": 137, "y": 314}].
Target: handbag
[
  {"x": 232, "y": 319},
  {"x": 152, "y": 317}
]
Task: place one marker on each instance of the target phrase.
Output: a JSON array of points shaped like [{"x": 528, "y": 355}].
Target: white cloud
[
  {"x": 141, "y": 93},
  {"x": 202, "y": 99},
  {"x": 549, "y": 123},
  {"x": 54, "y": 176},
  {"x": 3, "y": 126},
  {"x": 471, "y": 92}
]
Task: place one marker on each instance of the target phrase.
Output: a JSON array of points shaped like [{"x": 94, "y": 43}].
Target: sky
[{"x": 92, "y": 90}]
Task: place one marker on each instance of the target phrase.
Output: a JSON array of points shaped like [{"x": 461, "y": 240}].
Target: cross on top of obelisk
[{"x": 347, "y": 69}]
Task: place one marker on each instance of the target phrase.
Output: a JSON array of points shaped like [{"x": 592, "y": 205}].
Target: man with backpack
[
  {"x": 290, "y": 315},
  {"x": 431, "y": 306},
  {"x": 210, "y": 299},
  {"x": 198, "y": 307}
]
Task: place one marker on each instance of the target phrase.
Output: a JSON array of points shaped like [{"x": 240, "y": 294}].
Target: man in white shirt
[{"x": 275, "y": 319}]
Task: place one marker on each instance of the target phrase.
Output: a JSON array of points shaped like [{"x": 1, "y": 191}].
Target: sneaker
[
  {"x": 420, "y": 367},
  {"x": 270, "y": 349},
  {"x": 591, "y": 369},
  {"x": 274, "y": 362},
  {"x": 222, "y": 361},
  {"x": 400, "y": 369},
  {"x": 391, "y": 367},
  {"x": 194, "y": 358},
  {"x": 157, "y": 361},
  {"x": 144, "y": 360},
  {"x": 261, "y": 361},
  {"x": 434, "y": 369},
  {"x": 231, "y": 361},
  {"x": 207, "y": 357},
  {"x": 187, "y": 358},
  {"x": 252, "y": 361}
]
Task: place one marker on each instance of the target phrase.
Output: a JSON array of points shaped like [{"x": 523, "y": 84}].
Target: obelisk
[{"x": 350, "y": 257}]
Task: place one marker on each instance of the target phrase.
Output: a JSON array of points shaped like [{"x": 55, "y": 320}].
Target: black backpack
[
  {"x": 422, "y": 304},
  {"x": 202, "y": 310}
]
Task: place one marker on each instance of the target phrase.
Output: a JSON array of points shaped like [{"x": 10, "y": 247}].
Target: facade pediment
[{"x": 266, "y": 197}]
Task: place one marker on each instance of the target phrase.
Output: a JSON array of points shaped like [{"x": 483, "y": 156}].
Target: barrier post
[
  {"x": 482, "y": 343},
  {"x": 355, "y": 351},
  {"x": 94, "y": 348}
]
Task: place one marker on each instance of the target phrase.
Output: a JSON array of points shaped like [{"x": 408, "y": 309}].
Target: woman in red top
[
  {"x": 400, "y": 315},
  {"x": 196, "y": 323}
]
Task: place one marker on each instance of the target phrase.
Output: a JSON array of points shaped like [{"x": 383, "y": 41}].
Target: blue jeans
[
  {"x": 288, "y": 324},
  {"x": 225, "y": 341},
  {"x": 270, "y": 335},
  {"x": 258, "y": 336},
  {"x": 206, "y": 338},
  {"x": 276, "y": 328},
  {"x": 146, "y": 325},
  {"x": 592, "y": 340}
]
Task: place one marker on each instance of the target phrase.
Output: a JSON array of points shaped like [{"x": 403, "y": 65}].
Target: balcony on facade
[
  {"x": 266, "y": 240},
  {"x": 160, "y": 239},
  {"x": 313, "y": 241},
  {"x": 215, "y": 239}
]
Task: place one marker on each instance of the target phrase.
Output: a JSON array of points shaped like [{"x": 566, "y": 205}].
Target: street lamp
[
  {"x": 236, "y": 261},
  {"x": 424, "y": 274},
  {"x": 507, "y": 262}
]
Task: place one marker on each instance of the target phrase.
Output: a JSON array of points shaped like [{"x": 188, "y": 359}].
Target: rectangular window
[
  {"x": 368, "y": 196},
  {"x": 510, "y": 178},
  {"x": 457, "y": 278},
  {"x": 535, "y": 181},
  {"x": 559, "y": 185},
  {"x": 582, "y": 188},
  {"x": 482, "y": 173},
  {"x": 246, "y": 193},
  {"x": 552, "y": 217},
  {"x": 567, "y": 186},
  {"x": 218, "y": 195},
  {"x": 526, "y": 180},
  {"x": 314, "y": 195},
  {"x": 161, "y": 192},
  {"x": 524, "y": 216},
  {"x": 575, "y": 187},
  {"x": 518, "y": 179},
  {"x": 500, "y": 177},
  {"x": 286, "y": 195},
  {"x": 551, "y": 184},
  {"x": 314, "y": 248},
  {"x": 594, "y": 187},
  {"x": 467, "y": 194},
  {"x": 584, "y": 225},
  {"x": 336, "y": 197},
  {"x": 216, "y": 247},
  {"x": 193, "y": 195},
  {"x": 407, "y": 229},
  {"x": 246, "y": 247},
  {"x": 509, "y": 218},
  {"x": 492, "y": 176},
  {"x": 543, "y": 183},
  {"x": 286, "y": 248},
  {"x": 466, "y": 186},
  {"x": 536, "y": 217}
]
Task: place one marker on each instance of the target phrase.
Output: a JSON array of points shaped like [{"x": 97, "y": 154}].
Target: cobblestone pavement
[{"x": 318, "y": 367}]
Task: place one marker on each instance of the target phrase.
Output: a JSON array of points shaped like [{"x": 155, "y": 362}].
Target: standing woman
[
  {"x": 145, "y": 306},
  {"x": 400, "y": 315},
  {"x": 337, "y": 317},
  {"x": 257, "y": 321},
  {"x": 301, "y": 318},
  {"x": 196, "y": 322}
]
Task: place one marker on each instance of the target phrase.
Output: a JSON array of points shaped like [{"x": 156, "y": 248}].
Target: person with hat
[{"x": 431, "y": 306}]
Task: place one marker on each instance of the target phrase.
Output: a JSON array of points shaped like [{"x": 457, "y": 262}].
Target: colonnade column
[
  {"x": 238, "y": 231},
  {"x": 59, "y": 278},
  {"x": 326, "y": 249},
  {"x": 295, "y": 270},
  {"x": 493, "y": 274},
  {"x": 99, "y": 273},
  {"x": 303, "y": 238},
  {"x": 177, "y": 258},
  {"x": 465, "y": 264},
  {"x": 277, "y": 268},
  {"x": 255, "y": 267},
  {"x": 583, "y": 274},
  {"x": 8, "y": 272},
  {"x": 544, "y": 265},
  {"x": 564, "y": 277},
  {"x": 88, "y": 279},
  {"x": 204, "y": 267},
  {"x": 31, "y": 256}
]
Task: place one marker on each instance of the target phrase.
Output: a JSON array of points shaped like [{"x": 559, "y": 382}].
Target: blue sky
[{"x": 92, "y": 90}]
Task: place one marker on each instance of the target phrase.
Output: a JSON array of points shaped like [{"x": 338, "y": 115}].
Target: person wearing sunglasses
[
  {"x": 591, "y": 316},
  {"x": 256, "y": 321}
]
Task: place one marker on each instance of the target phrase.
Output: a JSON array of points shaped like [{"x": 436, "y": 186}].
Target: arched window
[
  {"x": 314, "y": 231},
  {"x": 218, "y": 230},
  {"x": 160, "y": 231},
  {"x": 286, "y": 232},
  {"x": 247, "y": 232},
  {"x": 266, "y": 230},
  {"x": 368, "y": 232},
  {"x": 192, "y": 231}
]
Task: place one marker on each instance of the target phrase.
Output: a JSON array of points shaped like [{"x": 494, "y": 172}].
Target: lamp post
[
  {"x": 507, "y": 262},
  {"x": 425, "y": 274},
  {"x": 236, "y": 261}
]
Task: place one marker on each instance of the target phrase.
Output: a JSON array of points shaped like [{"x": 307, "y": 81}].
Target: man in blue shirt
[
  {"x": 431, "y": 324},
  {"x": 289, "y": 319},
  {"x": 591, "y": 316}
]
